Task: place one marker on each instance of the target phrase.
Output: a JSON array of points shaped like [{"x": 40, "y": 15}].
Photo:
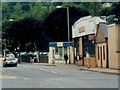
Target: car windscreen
[
  {"x": 10, "y": 58},
  {"x": 10, "y": 55}
]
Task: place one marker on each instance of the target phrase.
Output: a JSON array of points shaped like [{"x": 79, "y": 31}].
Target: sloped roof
[
  {"x": 103, "y": 28},
  {"x": 96, "y": 19}
]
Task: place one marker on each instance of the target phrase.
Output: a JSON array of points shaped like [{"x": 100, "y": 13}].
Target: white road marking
[
  {"x": 41, "y": 69},
  {"x": 6, "y": 76},
  {"x": 46, "y": 70},
  {"x": 53, "y": 72},
  {"x": 13, "y": 77},
  {"x": 26, "y": 78},
  {"x": 36, "y": 67}
]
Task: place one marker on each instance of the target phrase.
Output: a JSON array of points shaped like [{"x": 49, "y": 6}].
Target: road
[{"x": 42, "y": 76}]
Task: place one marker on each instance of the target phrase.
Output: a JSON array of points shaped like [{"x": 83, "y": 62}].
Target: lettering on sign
[
  {"x": 60, "y": 44},
  {"x": 81, "y": 29}
]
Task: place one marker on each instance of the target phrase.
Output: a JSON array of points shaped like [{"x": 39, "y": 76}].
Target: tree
[
  {"x": 4, "y": 10},
  {"x": 94, "y": 8},
  {"x": 105, "y": 11},
  {"x": 17, "y": 14},
  {"x": 25, "y": 7},
  {"x": 27, "y": 30},
  {"x": 39, "y": 11},
  {"x": 56, "y": 23},
  {"x": 115, "y": 9}
]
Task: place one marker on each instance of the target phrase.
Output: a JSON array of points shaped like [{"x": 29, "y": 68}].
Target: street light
[
  {"x": 68, "y": 26},
  {"x": 11, "y": 20}
]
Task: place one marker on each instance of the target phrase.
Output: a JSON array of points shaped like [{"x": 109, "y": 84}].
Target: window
[
  {"x": 77, "y": 44},
  {"x": 56, "y": 49},
  {"x": 85, "y": 45},
  {"x": 60, "y": 52},
  {"x": 104, "y": 52},
  {"x": 91, "y": 48},
  {"x": 98, "y": 53},
  {"x": 65, "y": 49}
]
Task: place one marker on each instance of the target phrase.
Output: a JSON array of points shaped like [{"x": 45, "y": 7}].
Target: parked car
[
  {"x": 21, "y": 53},
  {"x": 10, "y": 61},
  {"x": 10, "y": 55}
]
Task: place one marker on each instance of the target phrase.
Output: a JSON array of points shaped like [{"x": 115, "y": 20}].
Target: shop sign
[
  {"x": 81, "y": 29},
  {"x": 60, "y": 44}
]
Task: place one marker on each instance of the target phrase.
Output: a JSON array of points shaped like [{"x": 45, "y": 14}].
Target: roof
[
  {"x": 96, "y": 19},
  {"x": 103, "y": 28}
]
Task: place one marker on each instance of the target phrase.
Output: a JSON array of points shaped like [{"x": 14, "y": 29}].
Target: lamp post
[
  {"x": 68, "y": 24},
  {"x": 68, "y": 27}
]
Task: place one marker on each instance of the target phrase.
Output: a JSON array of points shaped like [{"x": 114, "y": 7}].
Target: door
[{"x": 101, "y": 63}]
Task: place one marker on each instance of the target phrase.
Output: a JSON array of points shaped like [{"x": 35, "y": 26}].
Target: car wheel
[
  {"x": 4, "y": 65},
  {"x": 15, "y": 65}
]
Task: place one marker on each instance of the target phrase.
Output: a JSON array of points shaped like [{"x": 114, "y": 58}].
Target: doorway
[{"x": 101, "y": 63}]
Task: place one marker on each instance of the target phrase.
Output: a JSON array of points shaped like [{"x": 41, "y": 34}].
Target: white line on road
[
  {"x": 41, "y": 69},
  {"x": 46, "y": 70},
  {"x": 53, "y": 71},
  {"x": 36, "y": 67},
  {"x": 26, "y": 78}
]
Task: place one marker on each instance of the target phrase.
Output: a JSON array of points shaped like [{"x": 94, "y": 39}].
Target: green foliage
[
  {"x": 56, "y": 22},
  {"x": 45, "y": 22},
  {"x": 105, "y": 11},
  {"x": 17, "y": 14},
  {"x": 4, "y": 10},
  {"x": 115, "y": 9},
  {"x": 40, "y": 10}
]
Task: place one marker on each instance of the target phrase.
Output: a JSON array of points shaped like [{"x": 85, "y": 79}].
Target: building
[
  {"x": 102, "y": 46},
  {"x": 83, "y": 34},
  {"x": 114, "y": 45},
  {"x": 61, "y": 48}
]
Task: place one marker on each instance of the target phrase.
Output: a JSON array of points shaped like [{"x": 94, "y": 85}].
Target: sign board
[{"x": 60, "y": 44}]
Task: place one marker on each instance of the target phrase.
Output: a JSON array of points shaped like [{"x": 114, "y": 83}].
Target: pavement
[{"x": 94, "y": 69}]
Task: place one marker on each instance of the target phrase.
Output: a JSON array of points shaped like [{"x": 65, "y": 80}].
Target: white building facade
[{"x": 83, "y": 34}]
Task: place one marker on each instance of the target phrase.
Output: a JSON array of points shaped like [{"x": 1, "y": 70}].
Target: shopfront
[
  {"x": 61, "y": 48},
  {"x": 83, "y": 34}
]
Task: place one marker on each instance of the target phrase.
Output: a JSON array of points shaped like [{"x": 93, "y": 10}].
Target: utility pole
[{"x": 68, "y": 31}]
